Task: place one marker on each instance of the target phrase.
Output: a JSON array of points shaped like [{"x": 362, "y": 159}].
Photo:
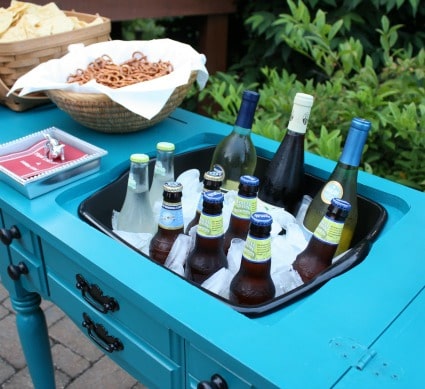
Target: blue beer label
[{"x": 171, "y": 216}]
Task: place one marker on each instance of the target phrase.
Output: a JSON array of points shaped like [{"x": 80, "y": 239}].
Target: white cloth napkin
[{"x": 144, "y": 98}]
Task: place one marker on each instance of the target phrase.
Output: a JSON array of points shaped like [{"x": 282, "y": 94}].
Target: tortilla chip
[{"x": 22, "y": 20}]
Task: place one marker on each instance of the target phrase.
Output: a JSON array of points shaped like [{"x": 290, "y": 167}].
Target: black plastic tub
[{"x": 97, "y": 211}]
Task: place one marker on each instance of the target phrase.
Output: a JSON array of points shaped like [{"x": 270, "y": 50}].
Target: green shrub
[{"x": 387, "y": 88}]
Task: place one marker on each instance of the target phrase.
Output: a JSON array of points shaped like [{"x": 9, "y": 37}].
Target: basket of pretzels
[{"x": 119, "y": 86}]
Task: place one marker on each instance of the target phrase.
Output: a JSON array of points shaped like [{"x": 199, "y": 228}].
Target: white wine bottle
[
  {"x": 342, "y": 184},
  {"x": 236, "y": 154}
]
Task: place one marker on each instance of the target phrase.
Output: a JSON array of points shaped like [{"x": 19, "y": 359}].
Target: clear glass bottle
[
  {"x": 321, "y": 248},
  {"x": 213, "y": 180},
  {"x": 163, "y": 170},
  {"x": 170, "y": 223},
  {"x": 236, "y": 154},
  {"x": 245, "y": 205},
  {"x": 136, "y": 213},
  {"x": 283, "y": 183},
  {"x": 342, "y": 183},
  {"x": 253, "y": 284},
  {"x": 208, "y": 255}
]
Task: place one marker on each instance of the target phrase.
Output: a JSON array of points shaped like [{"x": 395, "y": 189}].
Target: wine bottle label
[
  {"x": 171, "y": 216},
  {"x": 257, "y": 250},
  {"x": 244, "y": 207},
  {"x": 332, "y": 189},
  {"x": 329, "y": 231},
  {"x": 210, "y": 226},
  {"x": 299, "y": 119}
]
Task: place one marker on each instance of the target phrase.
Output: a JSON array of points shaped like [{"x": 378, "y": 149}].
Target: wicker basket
[
  {"x": 100, "y": 113},
  {"x": 18, "y": 58}
]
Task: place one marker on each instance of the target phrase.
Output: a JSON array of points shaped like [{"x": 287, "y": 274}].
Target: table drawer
[
  {"x": 139, "y": 358},
  {"x": 201, "y": 367},
  {"x": 25, "y": 251},
  {"x": 127, "y": 310}
]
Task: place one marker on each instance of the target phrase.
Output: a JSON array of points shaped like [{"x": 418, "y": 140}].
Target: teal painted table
[{"x": 365, "y": 328}]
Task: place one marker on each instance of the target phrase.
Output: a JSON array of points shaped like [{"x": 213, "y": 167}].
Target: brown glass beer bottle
[
  {"x": 321, "y": 248},
  {"x": 212, "y": 182},
  {"x": 170, "y": 223},
  {"x": 208, "y": 255},
  {"x": 253, "y": 284},
  {"x": 245, "y": 205}
]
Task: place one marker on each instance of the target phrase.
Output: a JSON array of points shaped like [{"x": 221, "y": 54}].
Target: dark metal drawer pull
[
  {"x": 94, "y": 296},
  {"x": 15, "y": 271},
  {"x": 100, "y": 335},
  {"x": 7, "y": 236},
  {"x": 216, "y": 382}
]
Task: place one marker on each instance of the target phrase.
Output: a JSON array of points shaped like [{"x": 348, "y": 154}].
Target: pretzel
[{"x": 106, "y": 72}]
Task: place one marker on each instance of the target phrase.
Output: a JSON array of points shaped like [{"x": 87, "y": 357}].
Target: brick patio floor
[{"x": 78, "y": 363}]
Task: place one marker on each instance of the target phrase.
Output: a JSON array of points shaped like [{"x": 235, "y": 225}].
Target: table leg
[{"x": 32, "y": 330}]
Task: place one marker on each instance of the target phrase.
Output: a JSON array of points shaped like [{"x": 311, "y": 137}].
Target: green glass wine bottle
[
  {"x": 236, "y": 154},
  {"x": 342, "y": 184}
]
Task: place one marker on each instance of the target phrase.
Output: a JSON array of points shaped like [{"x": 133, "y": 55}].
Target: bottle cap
[
  {"x": 139, "y": 158},
  {"x": 354, "y": 144},
  {"x": 303, "y": 99},
  {"x": 173, "y": 186},
  {"x": 165, "y": 146},
  {"x": 214, "y": 175},
  {"x": 261, "y": 219},
  {"x": 251, "y": 96},
  {"x": 300, "y": 113},
  {"x": 361, "y": 124},
  {"x": 340, "y": 206},
  {"x": 246, "y": 112},
  {"x": 249, "y": 180},
  {"x": 213, "y": 197}
]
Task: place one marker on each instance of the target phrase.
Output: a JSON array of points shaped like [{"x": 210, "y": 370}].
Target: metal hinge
[{"x": 364, "y": 359}]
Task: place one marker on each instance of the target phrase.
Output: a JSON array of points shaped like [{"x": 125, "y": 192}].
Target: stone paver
[{"x": 78, "y": 363}]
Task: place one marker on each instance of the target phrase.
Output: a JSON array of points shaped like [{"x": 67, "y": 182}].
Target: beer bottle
[
  {"x": 163, "y": 170},
  {"x": 321, "y": 248},
  {"x": 136, "y": 213},
  {"x": 208, "y": 255},
  {"x": 283, "y": 183},
  {"x": 170, "y": 223},
  {"x": 342, "y": 183},
  {"x": 236, "y": 154},
  {"x": 212, "y": 182},
  {"x": 253, "y": 284},
  {"x": 245, "y": 205}
]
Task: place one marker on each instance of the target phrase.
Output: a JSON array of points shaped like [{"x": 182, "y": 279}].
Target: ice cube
[
  {"x": 178, "y": 254},
  {"x": 219, "y": 282}
]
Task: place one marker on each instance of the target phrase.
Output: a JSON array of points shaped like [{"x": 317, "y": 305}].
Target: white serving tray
[{"x": 55, "y": 177}]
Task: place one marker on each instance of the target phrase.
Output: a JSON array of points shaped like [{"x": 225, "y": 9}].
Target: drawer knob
[
  {"x": 95, "y": 297},
  {"x": 100, "y": 336},
  {"x": 216, "y": 382},
  {"x": 15, "y": 271},
  {"x": 7, "y": 235}
]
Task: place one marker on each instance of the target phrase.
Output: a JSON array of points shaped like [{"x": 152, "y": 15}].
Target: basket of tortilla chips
[{"x": 31, "y": 34}]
